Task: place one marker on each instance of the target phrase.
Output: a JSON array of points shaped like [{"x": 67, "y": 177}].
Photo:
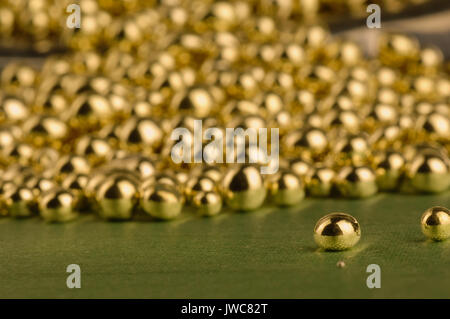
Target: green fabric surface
[{"x": 268, "y": 253}]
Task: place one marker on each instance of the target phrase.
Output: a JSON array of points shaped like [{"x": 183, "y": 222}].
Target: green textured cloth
[{"x": 268, "y": 253}]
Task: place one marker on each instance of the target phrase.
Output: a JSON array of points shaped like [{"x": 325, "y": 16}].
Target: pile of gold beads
[{"x": 90, "y": 130}]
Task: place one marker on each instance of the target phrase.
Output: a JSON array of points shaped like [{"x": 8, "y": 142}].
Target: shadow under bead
[
  {"x": 356, "y": 182},
  {"x": 161, "y": 201},
  {"x": 117, "y": 196},
  {"x": 429, "y": 172},
  {"x": 207, "y": 203},
  {"x": 285, "y": 188},
  {"x": 435, "y": 223},
  {"x": 58, "y": 205},
  {"x": 243, "y": 188},
  {"x": 337, "y": 231}
]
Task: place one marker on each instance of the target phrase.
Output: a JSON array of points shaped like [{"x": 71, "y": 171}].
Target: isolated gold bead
[
  {"x": 435, "y": 223},
  {"x": 207, "y": 203},
  {"x": 337, "y": 231},
  {"x": 161, "y": 201},
  {"x": 243, "y": 188},
  {"x": 19, "y": 201},
  {"x": 57, "y": 205},
  {"x": 285, "y": 188},
  {"x": 116, "y": 197},
  {"x": 356, "y": 182}
]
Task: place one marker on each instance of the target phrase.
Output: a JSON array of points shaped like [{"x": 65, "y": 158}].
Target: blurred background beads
[
  {"x": 96, "y": 118},
  {"x": 285, "y": 188}
]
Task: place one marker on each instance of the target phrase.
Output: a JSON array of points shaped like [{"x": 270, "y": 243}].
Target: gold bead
[
  {"x": 14, "y": 109},
  {"x": 243, "y": 188},
  {"x": 87, "y": 111},
  {"x": 319, "y": 181},
  {"x": 40, "y": 184},
  {"x": 352, "y": 149},
  {"x": 144, "y": 165},
  {"x": 96, "y": 150},
  {"x": 76, "y": 183},
  {"x": 300, "y": 167},
  {"x": 309, "y": 142},
  {"x": 117, "y": 196},
  {"x": 199, "y": 184},
  {"x": 435, "y": 125},
  {"x": 197, "y": 102},
  {"x": 429, "y": 172},
  {"x": 435, "y": 223},
  {"x": 161, "y": 201},
  {"x": 337, "y": 231},
  {"x": 18, "y": 153},
  {"x": 57, "y": 205},
  {"x": 9, "y": 134},
  {"x": 45, "y": 130},
  {"x": 71, "y": 164},
  {"x": 139, "y": 133},
  {"x": 389, "y": 168},
  {"x": 356, "y": 182},
  {"x": 285, "y": 188},
  {"x": 19, "y": 201},
  {"x": 207, "y": 203}
]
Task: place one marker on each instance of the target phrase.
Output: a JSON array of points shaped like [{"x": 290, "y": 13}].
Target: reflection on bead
[
  {"x": 435, "y": 223},
  {"x": 320, "y": 181},
  {"x": 161, "y": 201},
  {"x": 429, "y": 172},
  {"x": 356, "y": 182},
  {"x": 285, "y": 188},
  {"x": 207, "y": 203},
  {"x": 19, "y": 201},
  {"x": 117, "y": 197},
  {"x": 57, "y": 205},
  {"x": 337, "y": 231},
  {"x": 243, "y": 188}
]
